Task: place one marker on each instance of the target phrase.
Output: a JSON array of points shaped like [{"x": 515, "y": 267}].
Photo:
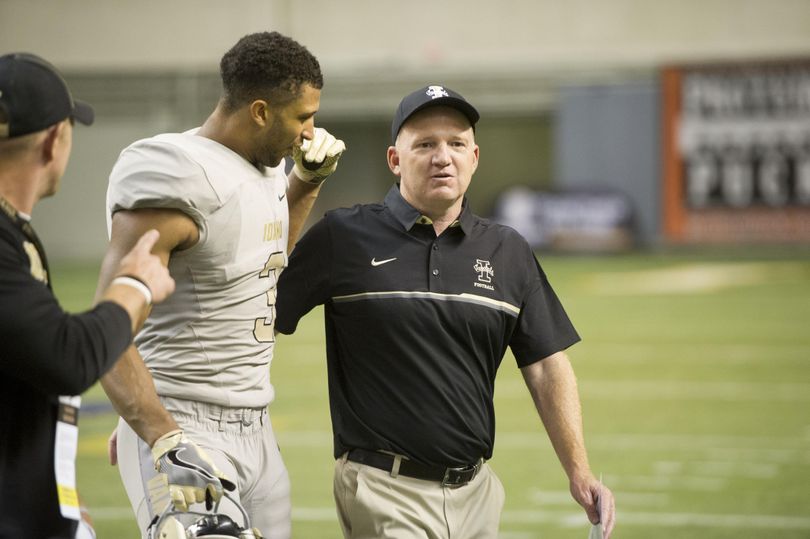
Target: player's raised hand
[
  {"x": 316, "y": 159},
  {"x": 192, "y": 476}
]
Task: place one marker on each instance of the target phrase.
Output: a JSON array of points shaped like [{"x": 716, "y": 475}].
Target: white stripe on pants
[{"x": 242, "y": 445}]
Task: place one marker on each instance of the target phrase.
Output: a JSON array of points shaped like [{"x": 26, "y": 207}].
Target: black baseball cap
[
  {"x": 34, "y": 96},
  {"x": 430, "y": 96}
]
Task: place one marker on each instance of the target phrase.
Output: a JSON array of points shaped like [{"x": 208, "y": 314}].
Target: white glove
[
  {"x": 191, "y": 474},
  {"x": 316, "y": 159}
]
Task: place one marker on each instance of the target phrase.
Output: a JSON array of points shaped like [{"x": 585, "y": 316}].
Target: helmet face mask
[
  {"x": 215, "y": 525},
  {"x": 210, "y": 525}
]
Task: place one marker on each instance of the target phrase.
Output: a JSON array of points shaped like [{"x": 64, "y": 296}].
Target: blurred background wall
[{"x": 569, "y": 91}]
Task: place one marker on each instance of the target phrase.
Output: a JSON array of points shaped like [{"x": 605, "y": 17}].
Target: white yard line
[
  {"x": 632, "y": 352},
  {"x": 673, "y": 520},
  {"x": 715, "y": 521},
  {"x": 565, "y": 519},
  {"x": 697, "y": 390},
  {"x": 727, "y": 468},
  {"x": 659, "y": 390},
  {"x": 693, "y": 278},
  {"x": 550, "y": 498},
  {"x": 690, "y": 483},
  {"x": 749, "y": 446}
]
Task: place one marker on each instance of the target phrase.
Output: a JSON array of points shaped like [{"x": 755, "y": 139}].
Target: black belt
[{"x": 448, "y": 477}]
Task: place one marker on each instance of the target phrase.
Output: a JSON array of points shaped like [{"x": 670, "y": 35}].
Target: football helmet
[{"x": 210, "y": 525}]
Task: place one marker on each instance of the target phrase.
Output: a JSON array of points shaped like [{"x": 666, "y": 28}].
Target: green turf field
[{"x": 694, "y": 373}]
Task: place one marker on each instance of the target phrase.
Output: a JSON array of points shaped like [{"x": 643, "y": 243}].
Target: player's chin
[
  {"x": 288, "y": 153},
  {"x": 274, "y": 160}
]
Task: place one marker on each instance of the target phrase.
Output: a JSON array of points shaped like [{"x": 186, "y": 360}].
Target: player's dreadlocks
[{"x": 267, "y": 65}]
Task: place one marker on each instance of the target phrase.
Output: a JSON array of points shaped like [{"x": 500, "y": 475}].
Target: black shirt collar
[{"x": 407, "y": 215}]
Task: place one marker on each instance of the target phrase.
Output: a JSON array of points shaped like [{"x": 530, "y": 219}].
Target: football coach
[
  {"x": 422, "y": 298},
  {"x": 47, "y": 356}
]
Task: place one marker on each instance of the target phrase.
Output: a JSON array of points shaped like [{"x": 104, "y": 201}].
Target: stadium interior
[{"x": 656, "y": 154}]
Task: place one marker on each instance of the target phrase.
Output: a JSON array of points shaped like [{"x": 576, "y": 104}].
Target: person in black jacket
[{"x": 48, "y": 356}]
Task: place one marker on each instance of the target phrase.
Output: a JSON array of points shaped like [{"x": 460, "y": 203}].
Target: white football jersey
[{"x": 212, "y": 340}]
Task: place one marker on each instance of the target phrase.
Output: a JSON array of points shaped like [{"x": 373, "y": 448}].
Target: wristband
[
  {"x": 137, "y": 284},
  {"x": 166, "y": 442}
]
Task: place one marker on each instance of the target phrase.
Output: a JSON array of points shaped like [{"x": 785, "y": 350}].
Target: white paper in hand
[{"x": 596, "y": 529}]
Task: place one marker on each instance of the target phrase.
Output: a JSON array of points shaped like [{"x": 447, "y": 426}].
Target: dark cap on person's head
[
  {"x": 34, "y": 96},
  {"x": 430, "y": 96}
]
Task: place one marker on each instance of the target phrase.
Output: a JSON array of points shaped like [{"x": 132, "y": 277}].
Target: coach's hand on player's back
[
  {"x": 192, "y": 476},
  {"x": 316, "y": 159}
]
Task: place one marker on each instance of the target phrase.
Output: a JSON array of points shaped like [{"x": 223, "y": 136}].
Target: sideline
[{"x": 563, "y": 519}]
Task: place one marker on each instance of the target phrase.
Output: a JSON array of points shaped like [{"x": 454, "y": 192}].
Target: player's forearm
[
  {"x": 131, "y": 390},
  {"x": 301, "y": 197},
  {"x": 553, "y": 388}
]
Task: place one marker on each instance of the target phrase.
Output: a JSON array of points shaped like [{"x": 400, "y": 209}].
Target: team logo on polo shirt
[{"x": 485, "y": 274}]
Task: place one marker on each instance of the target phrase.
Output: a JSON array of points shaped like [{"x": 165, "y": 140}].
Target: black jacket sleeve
[{"x": 41, "y": 344}]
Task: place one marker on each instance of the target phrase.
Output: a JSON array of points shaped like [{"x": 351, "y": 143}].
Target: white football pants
[{"x": 241, "y": 443}]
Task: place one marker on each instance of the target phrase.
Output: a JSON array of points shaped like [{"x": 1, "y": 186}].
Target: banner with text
[{"x": 736, "y": 152}]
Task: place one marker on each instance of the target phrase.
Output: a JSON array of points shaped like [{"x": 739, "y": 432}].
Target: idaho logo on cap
[
  {"x": 436, "y": 91},
  {"x": 430, "y": 96}
]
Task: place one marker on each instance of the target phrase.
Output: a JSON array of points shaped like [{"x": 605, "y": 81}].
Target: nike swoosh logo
[
  {"x": 281, "y": 196},
  {"x": 175, "y": 457},
  {"x": 375, "y": 262}
]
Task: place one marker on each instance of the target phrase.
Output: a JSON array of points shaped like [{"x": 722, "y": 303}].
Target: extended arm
[
  {"x": 62, "y": 353},
  {"x": 553, "y": 387}
]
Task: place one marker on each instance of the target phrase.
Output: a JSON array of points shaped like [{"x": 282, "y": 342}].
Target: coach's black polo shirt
[{"x": 417, "y": 325}]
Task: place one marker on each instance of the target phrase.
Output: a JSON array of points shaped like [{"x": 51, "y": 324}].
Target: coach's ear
[
  {"x": 393, "y": 160},
  {"x": 50, "y": 143}
]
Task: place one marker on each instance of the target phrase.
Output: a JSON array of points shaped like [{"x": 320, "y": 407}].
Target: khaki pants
[
  {"x": 372, "y": 504},
  {"x": 242, "y": 445}
]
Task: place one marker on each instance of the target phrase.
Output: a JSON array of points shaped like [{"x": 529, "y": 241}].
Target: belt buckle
[{"x": 458, "y": 477}]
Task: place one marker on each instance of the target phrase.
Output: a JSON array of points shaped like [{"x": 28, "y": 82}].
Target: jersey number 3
[{"x": 263, "y": 327}]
